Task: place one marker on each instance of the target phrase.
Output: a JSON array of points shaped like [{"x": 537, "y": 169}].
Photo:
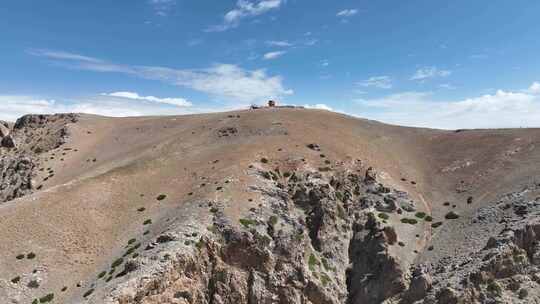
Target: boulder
[
  {"x": 7, "y": 142},
  {"x": 371, "y": 176}
]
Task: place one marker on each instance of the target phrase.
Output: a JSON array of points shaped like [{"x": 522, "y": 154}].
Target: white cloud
[
  {"x": 274, "y": 55},
  {"x": 447, "y": 86},
  {"x": 162, "y": 7},
  {"x": 347, "y": 13},
  {"x": 319, "y": 106},
  {"x": 381, "y": 82},
  {"x": 429, "y": 72},
  {"x": 534, "y": 88},
  {"x": 16, "y": 106},
  {"x": 279, "y": 43},
  {"x": 244, "y": 9},
  {"x": 179, "y": 102},
  {"x": 226, "y": 81},
  {"x": 420, "y": 109}
]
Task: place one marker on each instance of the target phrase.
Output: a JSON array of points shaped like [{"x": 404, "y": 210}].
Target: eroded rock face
[
  {"x": 20, "y": 147},
  {"x": 16, "y": 177},
  {"x": 314, "y": 240}
]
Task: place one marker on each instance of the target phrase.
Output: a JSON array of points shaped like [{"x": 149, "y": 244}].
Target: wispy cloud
[
  {"x": 273, "y": 55},
  {"x": 162, "y": 7},
  {"x": 534, "y": 88},
  {"x": 14, "y": 107},
  {"x": 447, "y": 86},
  {"x": 429, "y": 72},
  {"x": 227, "y": 81},
  {"x": 179, "y": 102},
  {"x": 245, "y": 9},
  {"x": 381, "y": 82},
  {"x": 347, "y": 13},
  {"x": 279, "y": 43},
  {"x": 420, "y": 109}
]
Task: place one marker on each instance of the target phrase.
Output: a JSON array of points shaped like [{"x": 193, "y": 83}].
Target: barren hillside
[{"x": 273, "y": 205}]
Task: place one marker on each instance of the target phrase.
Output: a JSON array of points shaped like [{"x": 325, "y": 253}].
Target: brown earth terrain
[{"x": 275, "y": 205}]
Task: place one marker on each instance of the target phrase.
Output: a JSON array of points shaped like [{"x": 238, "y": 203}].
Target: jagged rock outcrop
[
  {"x": 20, "y": 146},
  {"x": 314, "y": 240}
]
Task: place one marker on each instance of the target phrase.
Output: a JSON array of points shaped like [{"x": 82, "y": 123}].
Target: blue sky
[{"x": 460, "y": 64}]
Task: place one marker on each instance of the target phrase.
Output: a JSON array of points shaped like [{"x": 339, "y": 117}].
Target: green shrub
[
  {"x": 264, "y": 160},
  {"x": 273, "y": 220},
  {"x": 312, "y": 262},
  {"x": 117, "y": 262},
  {"x": 325, "y": 279},
  {"x": 494, "y": 288},
  {"x": 36, "y": 301},
  {"x": 161, "y": 197},
  {"x": 89, "y": 292},
  {"x": 64, "y": 288},
  {"x": 436, "y": 225},
  {"x": 147, "y": 222},
  {"x": 135, "y": 255},
  {"x": 146, "y": 232},
  {"x": 141, "y": 209},
  {"x": 31, "y": 256},
  {"x": 20, "y": 256},
  {"x": 247, "y": 222},
  {"x": 451, "y": 215},
  {"x": 428, "y": 218},
  {"x": 409, "y": 221},
  {"x": 420, "y": 215},
  {"x": 383, "y": 216},
  {"x": 16, "y": 280},
  {"x": 102, "y": 274},
  {"x": 47, "y": 298}
]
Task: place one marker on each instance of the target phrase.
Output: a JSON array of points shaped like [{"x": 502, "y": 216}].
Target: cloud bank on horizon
[{"x": 366, "y": 60}]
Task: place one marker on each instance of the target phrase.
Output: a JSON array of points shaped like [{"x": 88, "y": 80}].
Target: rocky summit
[{"x": 268, "y": 205}]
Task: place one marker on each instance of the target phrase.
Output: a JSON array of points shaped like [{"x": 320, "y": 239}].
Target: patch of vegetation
[
  {"x": 341, "y": 212},
  {"x": 20, "y": 256},
  {"x": 117, "y": 262},
  {"x": 16, "y": 280},
  {"x": 428, "y": 218},
  {"x": 161, "y": 197},
  {"x": 339, "y": 196},
  {"x": 131, "y": 241},
  {"x": 147, "y": 222},
  {"x": 200, "y": 244},
  {"x": 420, "y": 215},
  {"x": 101, "y": 274},
  {"x": 273, "y": 220},
  {"x": 494, "y": 288},
  {"x": 135, "y": 255},
  {"x": 409, "y": 221},
  {"x": 436, "y": 224},
  {"x": 325, "y": 279},
  {"x": 383, "y": 216},
  {"x": 264, "y": 160},
  {"x": 401, "y": 244},
  {"x": 326, "y": 265},
  {"x": 31, "y": 256},
  {"x": 247, "y": 222},
  {"x": 64, "y": 288},
  {"x": 146, "y": 232},
  {"x": 88, "y": 293},
  {"x": 286, "y": 174},
  {"x": 47, "y": 298},
  {"x": 36, "y": 301},
  {"x": 325, "y": 169},
  {"x": 451, "y": 215},
  {"x": 312, "y": 262},
  {"x": 214, "y": 209},
  {"x": 141, "y": 209}
]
